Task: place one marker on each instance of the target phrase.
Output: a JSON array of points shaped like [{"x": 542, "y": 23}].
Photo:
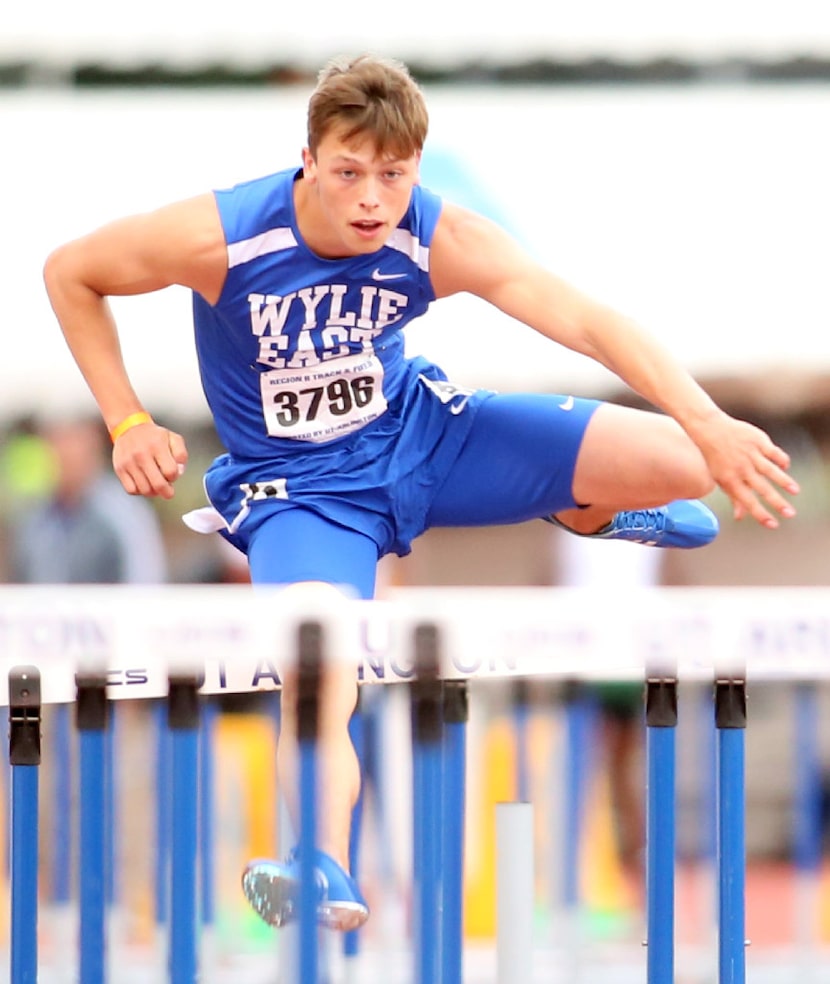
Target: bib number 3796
[{"x": 321, "y": 404}]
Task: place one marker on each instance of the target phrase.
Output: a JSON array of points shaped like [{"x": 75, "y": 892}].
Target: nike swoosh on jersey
[
  {"x": 568, "y": 404},
  {"x": 377, "y": 275}
]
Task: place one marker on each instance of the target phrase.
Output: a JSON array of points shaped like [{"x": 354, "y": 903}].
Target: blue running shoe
[
  {"x": 684, "y": 523},
  {"x": 273, "y": 889}
]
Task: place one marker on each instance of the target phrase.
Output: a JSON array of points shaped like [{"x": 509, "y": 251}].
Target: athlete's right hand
[{"x": 148, "y": 459}]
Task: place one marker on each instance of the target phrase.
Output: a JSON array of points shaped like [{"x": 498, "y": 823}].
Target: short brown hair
[{"x": 369, "y": 96}]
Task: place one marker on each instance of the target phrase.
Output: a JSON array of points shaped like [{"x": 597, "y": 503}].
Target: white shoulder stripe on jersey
[
  {"x": 404, "y": 242},
  {"x": 271, "y": 241}
]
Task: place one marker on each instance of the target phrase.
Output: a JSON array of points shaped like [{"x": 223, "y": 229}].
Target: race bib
[{"x": 323, "y": 402}]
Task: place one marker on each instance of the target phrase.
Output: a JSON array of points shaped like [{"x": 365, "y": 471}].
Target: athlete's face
[{"x": 358, "y": 197}]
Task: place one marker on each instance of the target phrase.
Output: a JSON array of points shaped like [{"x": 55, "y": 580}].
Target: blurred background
[{"x": 669, "y": 159}]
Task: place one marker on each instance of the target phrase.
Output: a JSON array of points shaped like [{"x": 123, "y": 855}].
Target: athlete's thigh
[
  {"x": 299, "y": 545},
  {"x": 637, "y": 458},
  {"x": 517, "y": 463}
]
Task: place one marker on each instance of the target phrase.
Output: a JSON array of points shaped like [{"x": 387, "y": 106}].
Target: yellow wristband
[{"x": 142, "y": 417}]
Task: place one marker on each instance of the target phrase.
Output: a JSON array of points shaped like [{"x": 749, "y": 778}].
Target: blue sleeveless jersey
[{"x": 301, "y": 350}]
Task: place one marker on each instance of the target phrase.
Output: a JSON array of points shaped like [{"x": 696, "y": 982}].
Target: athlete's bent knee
[{"x": 700, "y": 485}]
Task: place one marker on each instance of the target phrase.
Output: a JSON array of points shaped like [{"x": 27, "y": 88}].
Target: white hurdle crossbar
[{"x": 236, "y": 638}]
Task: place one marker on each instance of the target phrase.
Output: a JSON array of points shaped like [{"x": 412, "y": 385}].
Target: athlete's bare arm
[
  {"x": 471, "y": 254},
  {"x": 181, "y": 244}
]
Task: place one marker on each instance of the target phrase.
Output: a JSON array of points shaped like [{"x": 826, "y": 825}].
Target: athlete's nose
[{"x": 369, "y": 197}]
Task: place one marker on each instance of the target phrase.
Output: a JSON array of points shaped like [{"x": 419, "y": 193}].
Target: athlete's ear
[
  {"x": 418, "y": 167},
  {"x": 309, "y": 165}
]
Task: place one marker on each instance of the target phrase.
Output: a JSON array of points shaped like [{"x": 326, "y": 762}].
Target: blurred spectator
[
  {"x": 27, "y": 467},
  {"x": 86, "y": 529}
]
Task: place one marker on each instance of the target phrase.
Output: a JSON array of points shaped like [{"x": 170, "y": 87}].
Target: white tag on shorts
[
  {"x": 325, "y": 401},
  {"x": 206, "y": 519}
]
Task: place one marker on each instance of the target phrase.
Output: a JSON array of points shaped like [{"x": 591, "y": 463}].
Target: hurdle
[{"x": 91, "y": 647}]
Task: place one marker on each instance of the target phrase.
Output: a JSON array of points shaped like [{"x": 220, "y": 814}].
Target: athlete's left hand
[{"x": 750, "y": 468}]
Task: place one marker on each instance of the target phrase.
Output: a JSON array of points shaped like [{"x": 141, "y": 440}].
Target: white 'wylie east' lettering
[
  {"x": 274, "y": 319},
  {"x": 334, "y": 340},
  {"x": 268, "y": 312},
  {"x": 311, "y": 297}
]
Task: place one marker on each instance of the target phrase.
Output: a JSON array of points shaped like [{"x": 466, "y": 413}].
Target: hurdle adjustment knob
[
  {"x": 427, "y": 687},
  {"x": 24, "y": 715}
]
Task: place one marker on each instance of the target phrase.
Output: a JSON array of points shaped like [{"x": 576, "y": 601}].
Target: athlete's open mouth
[{"x": 367, "y": 225}]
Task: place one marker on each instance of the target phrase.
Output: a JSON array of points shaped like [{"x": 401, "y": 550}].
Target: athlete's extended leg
[
  {"x": 584, "y": 462},
  {"x": 300, "y": 548},
  {"x": 632, "y": 460}
]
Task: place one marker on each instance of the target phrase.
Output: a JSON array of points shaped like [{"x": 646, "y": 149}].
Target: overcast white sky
[{"x": 264, "y": 31}]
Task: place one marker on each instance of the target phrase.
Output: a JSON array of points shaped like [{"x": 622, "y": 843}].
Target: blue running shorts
[
  {"x": 446, "y": 456},
  {"x": 517, "y": 462}
]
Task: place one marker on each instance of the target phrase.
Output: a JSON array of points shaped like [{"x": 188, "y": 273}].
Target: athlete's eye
[{"x": 393, "y": 175}]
